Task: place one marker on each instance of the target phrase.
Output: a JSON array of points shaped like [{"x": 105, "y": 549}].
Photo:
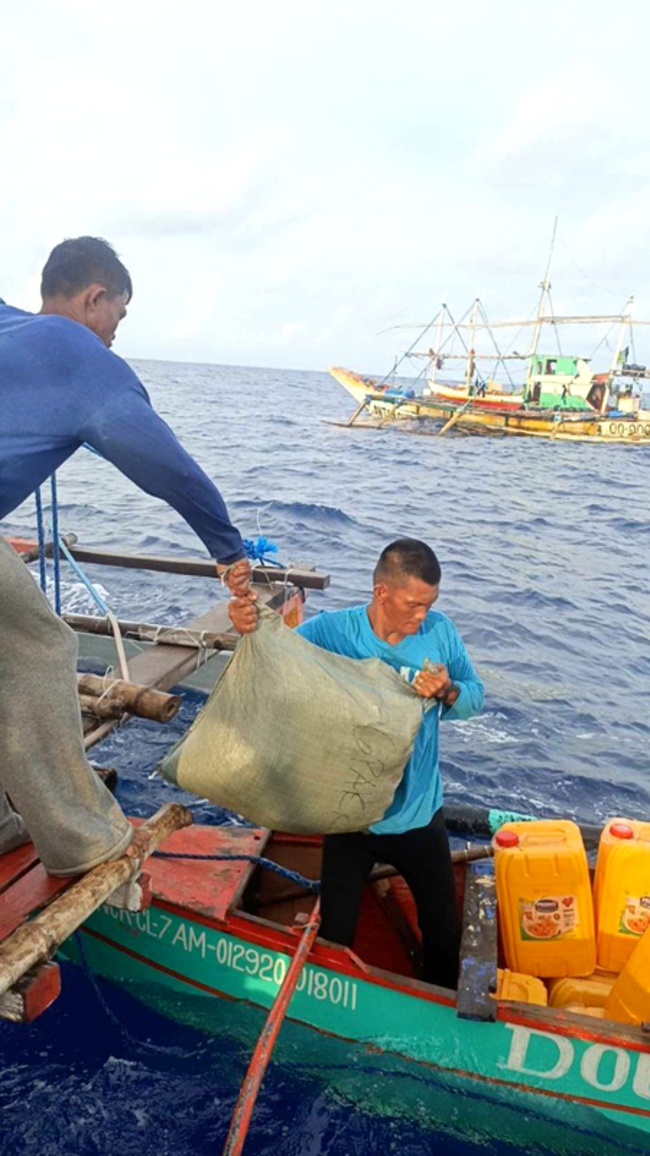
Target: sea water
[{"x": 545, "y": 551}]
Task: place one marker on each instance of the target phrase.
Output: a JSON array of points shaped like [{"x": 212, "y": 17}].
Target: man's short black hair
[
  {"x": 82, "y": 261},
  {"x": 407, "y": 558}
]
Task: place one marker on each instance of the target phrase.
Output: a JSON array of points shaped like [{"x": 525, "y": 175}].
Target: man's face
[
  {"x": 104, "y": 314},
  {"x": 405, "y": 604}
]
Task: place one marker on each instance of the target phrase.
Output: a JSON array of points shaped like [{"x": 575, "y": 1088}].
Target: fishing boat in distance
[{"x": 562, "y": 397}]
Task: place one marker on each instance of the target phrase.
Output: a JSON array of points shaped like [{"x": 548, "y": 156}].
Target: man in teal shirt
[{"x": 400, "y": 627}]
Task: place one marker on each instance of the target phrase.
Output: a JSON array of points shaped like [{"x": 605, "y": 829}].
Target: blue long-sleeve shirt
[
  {"x": 419, "y": 794},
  {"x": 60, "y": 387}
]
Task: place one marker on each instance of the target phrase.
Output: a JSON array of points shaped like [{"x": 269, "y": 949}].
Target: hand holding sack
[{"x": 299, "y": 739}]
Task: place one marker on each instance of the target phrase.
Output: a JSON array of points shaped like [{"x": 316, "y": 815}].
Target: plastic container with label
[
  {"x": 544, "y": 898},
  {"x": 593, "y": 991},
  {"x": 513, "y": 985},
  {"x": 629, "y": 999},
  {"x": 621, "y": 891}
]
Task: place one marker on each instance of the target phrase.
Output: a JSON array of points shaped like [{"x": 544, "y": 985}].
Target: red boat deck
[{"x": 210, "y": 889}]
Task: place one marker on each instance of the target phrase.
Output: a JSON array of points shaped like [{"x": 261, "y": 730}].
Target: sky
[{"x": 288, "y": 181}]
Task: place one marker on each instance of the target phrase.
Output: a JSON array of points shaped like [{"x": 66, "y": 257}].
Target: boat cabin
[{"x": 554, "y": 380}]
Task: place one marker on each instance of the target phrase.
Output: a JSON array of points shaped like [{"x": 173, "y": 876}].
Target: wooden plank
[
  {"x": 15, "y": 863},
  {"x": 33, "y": 891},
  {"x": 199, "y": 567},
  {"x": 478, "y": 952},
  {"x": 210, "y": 889},
  {"x": 32, "y": 994}
]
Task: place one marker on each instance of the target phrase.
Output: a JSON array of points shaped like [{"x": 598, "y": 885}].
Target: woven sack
[{"x": 299, "y": 739}]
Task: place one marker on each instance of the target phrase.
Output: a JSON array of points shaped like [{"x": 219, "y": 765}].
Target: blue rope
[
  {"x": 260, "y": 549},
  {"x": 55, "y": 540},
  {"x": 94, "y": 593},
  {"x": 42, "y": 571},
  {"x": 310, "y": 884}
]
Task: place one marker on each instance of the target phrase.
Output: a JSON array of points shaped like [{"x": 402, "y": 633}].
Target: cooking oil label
[
  {"x": 553, "y": 917},
  {"x": 635, "y": 916}
]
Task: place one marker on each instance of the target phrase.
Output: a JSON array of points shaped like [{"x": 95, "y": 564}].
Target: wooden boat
[
  {"x": 552, "y": 424},
  {"x": 493, "y": 398},
  {"x": 218, "y": 933},
  {"x": 380, "y": 402},
  {"x": 216, "y": 942},
  {"x": 562, "y": 398}
]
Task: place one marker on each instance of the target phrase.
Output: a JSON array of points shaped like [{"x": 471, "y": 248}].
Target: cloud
[{"x": 284, "y": 182}]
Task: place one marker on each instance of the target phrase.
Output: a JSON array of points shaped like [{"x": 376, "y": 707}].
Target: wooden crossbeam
[{"x": 199, "y": 567}]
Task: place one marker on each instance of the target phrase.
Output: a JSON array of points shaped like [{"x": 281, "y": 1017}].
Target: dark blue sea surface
[{"x": 545, "y": 550}]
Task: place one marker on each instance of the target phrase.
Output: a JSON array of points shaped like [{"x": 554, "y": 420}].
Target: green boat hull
[{"x": 381, "y": 1044}]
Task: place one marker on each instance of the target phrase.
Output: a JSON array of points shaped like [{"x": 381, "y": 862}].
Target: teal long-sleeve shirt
[{"x": 348, "y": 632}]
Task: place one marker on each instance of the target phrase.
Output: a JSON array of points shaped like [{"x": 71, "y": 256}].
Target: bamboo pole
[
  {"x": 109, "y": 707},
  {"x": 362, "y": 405},
  {"x": 31, "y": 555},
  {"x": 152, "y": 632},
  {"x": 139, "y": 700},
  {"x": 454, "y": 418},
  {"x": 36, "y": 941},
  {"x": 201, "y": 567},
  {"x": 264, "y": 1047}
]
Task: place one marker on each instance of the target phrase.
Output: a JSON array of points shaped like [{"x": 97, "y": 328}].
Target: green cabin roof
[{"x": 547, "y": 364}]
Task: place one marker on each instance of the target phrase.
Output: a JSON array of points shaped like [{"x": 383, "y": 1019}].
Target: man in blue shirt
[
  {"x": 61, "y": 387},
  {"x": 400, "y": 627}
]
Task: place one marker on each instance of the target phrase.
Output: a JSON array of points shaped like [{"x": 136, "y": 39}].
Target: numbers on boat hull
[{"x": 631, "y": 429}]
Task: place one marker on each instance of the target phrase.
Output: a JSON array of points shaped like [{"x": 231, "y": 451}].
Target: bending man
[
  {"x": 400, "y": 627},
  {"x": 61, "y": 388}
]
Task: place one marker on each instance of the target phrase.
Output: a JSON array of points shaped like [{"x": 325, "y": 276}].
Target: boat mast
[
  {"x": 441, "y": 315},
  {"x": 545, "y": 286},
  {"x": 471, "y": 363},
  {"x": 626, "y": 321}
]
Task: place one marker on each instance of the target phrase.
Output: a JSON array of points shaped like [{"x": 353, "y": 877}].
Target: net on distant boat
[{"x": 298, "y": 739}]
